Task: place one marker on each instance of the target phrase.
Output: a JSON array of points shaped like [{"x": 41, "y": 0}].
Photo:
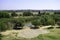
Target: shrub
[
  {"x": 13, "y": 14},
  {"x": 3, "y": 27},
  {"x": 50, "y": 27},
  {"x": 27, "y": 14},
  {"x": 1, "y": 36},
  {"x": 58, "y": 23},
  {"x": 36, "y": 23},
  {"x": 4, "y": 15},
  {"x": 18, "y": 25}
]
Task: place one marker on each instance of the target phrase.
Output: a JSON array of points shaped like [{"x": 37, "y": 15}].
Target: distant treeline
[{"x": 30, "y": 10}]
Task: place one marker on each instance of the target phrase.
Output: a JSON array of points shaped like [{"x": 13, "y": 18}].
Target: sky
[{"x": 29, "y": 4}]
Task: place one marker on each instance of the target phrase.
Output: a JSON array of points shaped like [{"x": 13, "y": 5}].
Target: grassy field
[{"x": 53, "y": 35}]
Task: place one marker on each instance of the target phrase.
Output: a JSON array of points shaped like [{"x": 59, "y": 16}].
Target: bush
[
  {"x": 36, "y": 23},
  {"x": 43, "y": 20},
  {"x": 13, "y": 14},
  {"x": 4, "y": 15},
  {"x": 3, "y": 27},
  {"x": 47, "y": 20},
  {"x": 27, "y": 14},
  {"x": 1, "y": 36},
  {"x": 39, "y": 14},
  {"x": 18, "y": 25},
  {"x": 58, "y": 23},
  {"x": 50, "y": 27},
  {"x": 56, "y": 12}
]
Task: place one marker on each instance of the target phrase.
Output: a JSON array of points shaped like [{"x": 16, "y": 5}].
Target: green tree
[
  {"x": 56, "y": 12},
  {"x": 43, "y": 20},
  {"x": 39, "y": 14},
  {"x": 47, "y": 20},
  {"x": 3, "y": 27},
  {"x": 58, "y": 23},
  {"x": 27, "y": 14},
  {"x": 4, "y": 15},
  {"x": 47, "y": 13},
  {"x": 18, "y": 25},
  {"x": 36, "y": 23},
  {"x": 1, "y": 36},
  {"x": 13, "y": 14},
  {"x": 50, "y": 21}
]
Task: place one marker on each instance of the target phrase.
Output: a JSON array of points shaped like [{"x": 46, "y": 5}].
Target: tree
[
  {"x": 47, "y": 14},
  {"x": 58, "y": 23},
  {"x": 1, "y": 36},
  {"x": 47, "y": 20},
  {"x": 43, "y": 13},
  {"x": 18, "y": 25},
  {"x": 50, "y": 21},
  {"x": 39, "y": 14},
  {"x": 3, "y": 27},
  {"x": 57, "y": 18},
  {"x": 43, "y": 20},
  {"x": 36, "y": 23},
  {"x": 56, "y": 12},
  {"x": 27, "y": 14},
  {"x": 13, "y": 14},
  {"x": 4, "y": 15}
]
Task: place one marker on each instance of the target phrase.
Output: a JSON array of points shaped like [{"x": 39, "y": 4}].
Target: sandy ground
[
  {"x": 31, "y": 33},
  {"x": 25, "y": 33}
]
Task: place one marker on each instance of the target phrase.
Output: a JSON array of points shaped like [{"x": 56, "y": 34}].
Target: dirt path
[
  {"x": 26, "y": 33},
  {"x": 31, "y": 33}
]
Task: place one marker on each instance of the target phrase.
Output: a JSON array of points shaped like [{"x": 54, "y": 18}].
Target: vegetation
[
  {"x": 18, "y": 25},
  {"x": 36, "y": 23},
  {"x": 4, "y": 15},
  {"x": 8, "y": 22},
  {"x": 39, "y": 14},
  {"x": 2, "y": 26},
  {"x": 1, "y": 36},
  {"x": 44, "y": 18},
  {"x": 53, "y": 35},
  {"x": 13, "y": 14},
  {"x": 27, "y": 14}
]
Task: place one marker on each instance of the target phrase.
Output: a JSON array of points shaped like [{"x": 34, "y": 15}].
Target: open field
[
  {"x": 25, "y": 33},
  {"x": 54, "y": 34}
]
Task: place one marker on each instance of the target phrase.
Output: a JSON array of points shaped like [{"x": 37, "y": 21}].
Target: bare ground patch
[{"x": 25, "y": 33}]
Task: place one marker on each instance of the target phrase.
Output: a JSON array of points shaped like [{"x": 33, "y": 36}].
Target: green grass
[{"x": 53, "y": 35}]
